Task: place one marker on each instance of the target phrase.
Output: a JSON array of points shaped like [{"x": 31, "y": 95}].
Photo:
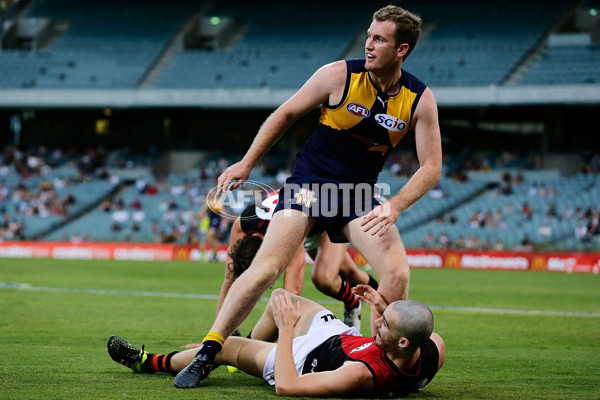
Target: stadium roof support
[{"x": 271, "y": 98}]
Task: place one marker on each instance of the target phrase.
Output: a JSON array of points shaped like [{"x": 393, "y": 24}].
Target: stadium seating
[
  {"x": 282, "y": 46},
  {"x": 581, "y": 192},
  {"x": 558, "y": 65},
  {"x": 115, "y": 44},
  {"x": 469, "y": 44},
  {"x": 108, "y": 44}
]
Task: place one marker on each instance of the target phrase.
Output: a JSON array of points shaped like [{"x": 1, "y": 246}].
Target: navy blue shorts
[{"x": 333, "y": 204}]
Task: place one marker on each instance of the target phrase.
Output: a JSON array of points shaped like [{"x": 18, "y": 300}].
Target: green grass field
[{"x": 509, "y": 335}]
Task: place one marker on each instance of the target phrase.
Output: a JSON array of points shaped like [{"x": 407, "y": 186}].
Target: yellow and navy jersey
[{"x": 355, "y": 137}]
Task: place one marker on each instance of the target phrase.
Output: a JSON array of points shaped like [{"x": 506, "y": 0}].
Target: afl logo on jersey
[
  {"x": 390, "y": 123},
  {"x": 358, "y": 109}
]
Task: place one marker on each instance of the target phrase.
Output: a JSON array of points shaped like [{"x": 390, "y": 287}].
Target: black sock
[
  {"x": 345, "y": 294},
  {"x": 373, "y": 283},
  {"x": 209, "y": 350}
]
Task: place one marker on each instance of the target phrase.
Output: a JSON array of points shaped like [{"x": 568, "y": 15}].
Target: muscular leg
[
  {"x": 325, "y": 273},
  {"x": 250, "y": 355},
  {"x": 246, "y": 354},
  {"x": 387, "y": 256},
  {"x": 332, "y": 264},
  {"x": 350, "y": 272},
  {"x": 293, "y": 277},
  {"x": 285, "y": 234}
]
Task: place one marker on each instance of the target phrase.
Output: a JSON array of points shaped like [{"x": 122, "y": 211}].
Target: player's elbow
[{"x": 285, "y": 390}]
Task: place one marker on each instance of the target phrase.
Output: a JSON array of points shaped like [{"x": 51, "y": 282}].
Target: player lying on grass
[
  {"x": 317, "y": 355},
  {"x": 334, "y": 272}
]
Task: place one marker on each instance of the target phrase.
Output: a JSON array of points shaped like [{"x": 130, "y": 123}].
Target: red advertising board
[{"x": 417, "y": 258}]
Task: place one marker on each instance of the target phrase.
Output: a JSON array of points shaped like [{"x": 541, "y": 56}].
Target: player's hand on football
[
  {"x": 285, "y": 312},
  {"x": 233, "y": 177},
  {"x": 372, "y": 297},
  {"x": 380, "y": 219}
]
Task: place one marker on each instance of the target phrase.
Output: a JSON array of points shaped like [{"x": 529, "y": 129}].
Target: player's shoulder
[
  {"x": 331, "y": 76},
  {"x": 334, "y": 68}
]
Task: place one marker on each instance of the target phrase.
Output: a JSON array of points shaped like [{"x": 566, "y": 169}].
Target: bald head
[{"x": 412, "y": 320}]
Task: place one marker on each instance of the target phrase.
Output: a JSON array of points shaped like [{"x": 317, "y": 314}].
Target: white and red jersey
[{"x": 388, "y": 380}]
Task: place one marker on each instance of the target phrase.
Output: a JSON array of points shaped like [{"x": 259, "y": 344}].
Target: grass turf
[{"x": 509, "y": 335}]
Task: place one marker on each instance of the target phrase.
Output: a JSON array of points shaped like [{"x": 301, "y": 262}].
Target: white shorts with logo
[{"x": 323, "y": 327}]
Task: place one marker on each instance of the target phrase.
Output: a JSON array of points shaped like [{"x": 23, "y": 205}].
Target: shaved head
[{"x": 412, "y": 320}]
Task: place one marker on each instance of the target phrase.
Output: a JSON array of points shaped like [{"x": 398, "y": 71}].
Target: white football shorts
[{"x": 323, "y": 327}]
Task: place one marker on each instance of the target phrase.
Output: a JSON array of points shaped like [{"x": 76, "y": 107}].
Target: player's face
[
  {"x": 381, "y": 51},
  {"x": 385, "y": 337}
]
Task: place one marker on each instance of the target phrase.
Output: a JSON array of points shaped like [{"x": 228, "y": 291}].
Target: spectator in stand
[
  {"x": 545, "y": 231},
  {"x": 542, "y": 190},
  {"x": 593, "y": 228},
  {"x": 436, "y": 192},
  {"x": 445, "y": 242},
  {"x": 120, "y": 215},
  {"x": 508, "y": 208},
  {"x": 499, "y": 219},
  {"x": 460, "y": 243},
  {"x": 136, "y": 204},
  {"x": 526, "y": 210},
  {"x": 472, "y": 243},
  {"x": 429, "y": 241},
  {"x": 476, "y": 220},
  {"x": 498, "y": 245},
  {"x": 488, "y": 220},
  {"x": 581, "y": 231},
  {"x": 568, "y": 212},
  {"x": 519, "y": 178},
  {"x": 452, "y": 219},
  {"x": 506, "y": 184},
  {"x": 526, "y": 244},
  {"x": 551, "y": 211},
  {"x": 533, "y": 190}
]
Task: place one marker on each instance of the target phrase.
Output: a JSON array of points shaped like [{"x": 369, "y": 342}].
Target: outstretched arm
[{"x": 317, "y": 90}]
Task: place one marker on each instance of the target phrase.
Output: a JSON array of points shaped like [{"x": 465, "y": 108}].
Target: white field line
[{"x": 477, "y": 310}]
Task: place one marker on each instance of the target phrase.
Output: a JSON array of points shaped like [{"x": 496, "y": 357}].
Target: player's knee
[
  {"x": 265, "y": 270},
  {"x": 402, "y": 275},
  {"x": 398, "y": 277},
  {"x": 265, "y": 277},
  {"x": 323, "y": 283}
]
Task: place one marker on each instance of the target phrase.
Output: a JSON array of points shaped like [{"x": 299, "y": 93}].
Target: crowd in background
[{"x": 176, "y": 218}]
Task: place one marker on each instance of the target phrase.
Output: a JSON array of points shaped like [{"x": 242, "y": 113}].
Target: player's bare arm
[
  {"x": 326, "y": 85},
  {"x": 429, "y": 152},
  {"x": 352, "y": 378}
]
